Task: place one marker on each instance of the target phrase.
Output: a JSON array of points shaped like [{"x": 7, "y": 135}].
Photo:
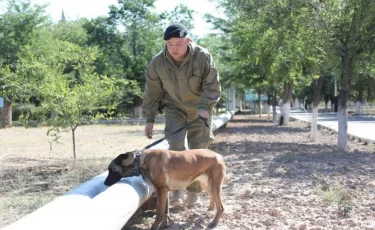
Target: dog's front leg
[{"x": 161, "y": 211}]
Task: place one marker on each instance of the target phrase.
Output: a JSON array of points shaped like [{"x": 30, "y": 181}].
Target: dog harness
[{"x": 137, "y": 160}]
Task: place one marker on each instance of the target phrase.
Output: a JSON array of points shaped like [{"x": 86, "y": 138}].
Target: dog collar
[{"x": 137, "y": 160}]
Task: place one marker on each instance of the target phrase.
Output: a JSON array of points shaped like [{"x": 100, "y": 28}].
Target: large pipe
[{"x": 92, "y": 205}]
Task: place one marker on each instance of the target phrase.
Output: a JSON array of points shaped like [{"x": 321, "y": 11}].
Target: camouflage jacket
[{"x": 192, "y": 86}]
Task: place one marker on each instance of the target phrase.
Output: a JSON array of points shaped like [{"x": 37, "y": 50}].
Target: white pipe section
[{"x": 92, "y": 205}]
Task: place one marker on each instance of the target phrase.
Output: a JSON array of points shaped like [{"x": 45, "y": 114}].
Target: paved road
[{"x": 360, "y": 127}]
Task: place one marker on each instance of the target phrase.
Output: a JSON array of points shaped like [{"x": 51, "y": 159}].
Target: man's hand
[
  {"x": 203, "y": 113},
  {"x": 148, "y": 130}
]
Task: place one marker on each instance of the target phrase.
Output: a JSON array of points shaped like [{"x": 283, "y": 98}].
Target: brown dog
[{"x": 172, "y": 170}]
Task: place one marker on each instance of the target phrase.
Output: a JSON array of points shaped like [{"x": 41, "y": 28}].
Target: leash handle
[{"x": 179, "y": 130}]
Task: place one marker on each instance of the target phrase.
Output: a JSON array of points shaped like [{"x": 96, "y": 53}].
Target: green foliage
[
  {"x": 17, "y": 27},
  {"x": 337, "y": 194},
  {"x": 29, "y": 109},
  {"x": 222, "y": 51},
  {"x": 141, "y": 35},
  {"x": 181, "y": 14},
  {"x": 71, "y": 31},
  {"x": 270, "y": 46},
  {"x": 289, "y": 41},
  {"x": 63, "y": 79}
]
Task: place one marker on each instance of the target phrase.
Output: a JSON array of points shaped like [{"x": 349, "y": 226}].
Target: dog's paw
[
  {"x": 166, "y": 223},
  {"x": 213, "y": 224},
  {"x": 157, "y": 226}
]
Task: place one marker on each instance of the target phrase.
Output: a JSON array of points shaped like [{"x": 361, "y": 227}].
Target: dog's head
[{"x": 121, "y": 166}]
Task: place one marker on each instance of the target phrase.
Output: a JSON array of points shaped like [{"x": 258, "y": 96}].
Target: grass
[
  {"x": 336, "y": 194},
  {"x": 25, "y": 190},
  {"x": 32, "y": 174},
  {"x": 287, "y": 158},
  {"x": 137, "y": 219}
]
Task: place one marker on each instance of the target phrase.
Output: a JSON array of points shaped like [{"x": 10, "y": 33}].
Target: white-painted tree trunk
[
  {"x": 234, "y": 99},
  {"x": 259, "y": 109},
  {"x": 268, "y": 111},
  {"x": 137, "y": 111},
  {"x": 358, "y": 106},
  {"x": 285, "y": 112},
  {"x": 314, "y": 124},
  {"x": 274, "y": 114},
  {"x": 342, "y": 143}
]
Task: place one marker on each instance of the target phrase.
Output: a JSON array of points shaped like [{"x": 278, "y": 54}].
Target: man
[{"x": 183, "y": 79}]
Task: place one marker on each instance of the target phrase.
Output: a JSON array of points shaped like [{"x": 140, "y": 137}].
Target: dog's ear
[
  {"x": 120, "y": 158},
  {"x": 125, "y": 159}
]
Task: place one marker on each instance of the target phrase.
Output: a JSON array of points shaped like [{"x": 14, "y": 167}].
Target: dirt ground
[
  {"x": 282, "y": 181},
  {"x": 34, "y": 169},
  {"x": 279, "y": 180}
]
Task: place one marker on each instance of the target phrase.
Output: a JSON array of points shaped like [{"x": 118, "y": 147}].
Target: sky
[{"x": 74, "y": 9}]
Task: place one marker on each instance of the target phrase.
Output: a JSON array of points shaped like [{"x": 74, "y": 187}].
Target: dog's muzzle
[{"x": 112, "y": 178}]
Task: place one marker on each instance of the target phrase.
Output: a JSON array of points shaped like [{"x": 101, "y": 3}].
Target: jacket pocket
[{"x": 195, "y": 84}]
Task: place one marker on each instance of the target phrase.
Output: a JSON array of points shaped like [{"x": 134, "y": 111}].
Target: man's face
[{"x": 177, "y": 47}]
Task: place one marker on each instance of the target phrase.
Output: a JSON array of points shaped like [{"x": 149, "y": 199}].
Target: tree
[
  {"x": 270, "y": 45},
  {"x": 341, "y": 29},
  {"x": 67, "y": 98},
  {"x": 222, "y": 51},
  {"x": 181, "y": 14},
  {"x": 17, "y": 26},
  {"x": 350, "y": 26},
  {"x": 364, "y": 79},
  {"x": 114, "y": 59},
  {"x": 142, "y": 36}
]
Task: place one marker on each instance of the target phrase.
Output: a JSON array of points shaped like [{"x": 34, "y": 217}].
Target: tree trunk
[
  {"x": 6, "y": 114},
  {"x": 274, "y": 104},
  {"x": 285, "y": 108},
  {"x": 269, "y": 104},
  {"x": 358, "y": 106},
  {"x": 314, "y": 119},
  {"x": 74, "y": 146},
  {"x": 259, "y": 105},
  {"x": 314, "y": 124},
  {"x": 137, "y": 107},
  {"x": 358, "y": 103},
  {"x": 342, "y": 113},
  {"x": 334, "y": 104}
]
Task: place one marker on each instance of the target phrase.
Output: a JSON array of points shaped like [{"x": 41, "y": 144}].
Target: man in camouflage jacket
[{"x": 184, "y": 81}]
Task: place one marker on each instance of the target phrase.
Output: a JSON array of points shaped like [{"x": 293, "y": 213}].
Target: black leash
[{"x": 179, "y": 130}]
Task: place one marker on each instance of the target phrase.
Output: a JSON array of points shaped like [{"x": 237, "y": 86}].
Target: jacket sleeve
[
  {"x": 153, "y": 94},
  {"x": 211, "y": 88}
]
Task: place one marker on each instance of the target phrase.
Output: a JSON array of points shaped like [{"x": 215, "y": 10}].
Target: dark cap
[{"x": 175, "y": 30}]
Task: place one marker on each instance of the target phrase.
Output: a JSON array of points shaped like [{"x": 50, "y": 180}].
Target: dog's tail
[{"x": 227, "y": 178}]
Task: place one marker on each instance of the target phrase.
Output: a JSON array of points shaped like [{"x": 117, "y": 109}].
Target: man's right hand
[{"x": 148, "y": 130}]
